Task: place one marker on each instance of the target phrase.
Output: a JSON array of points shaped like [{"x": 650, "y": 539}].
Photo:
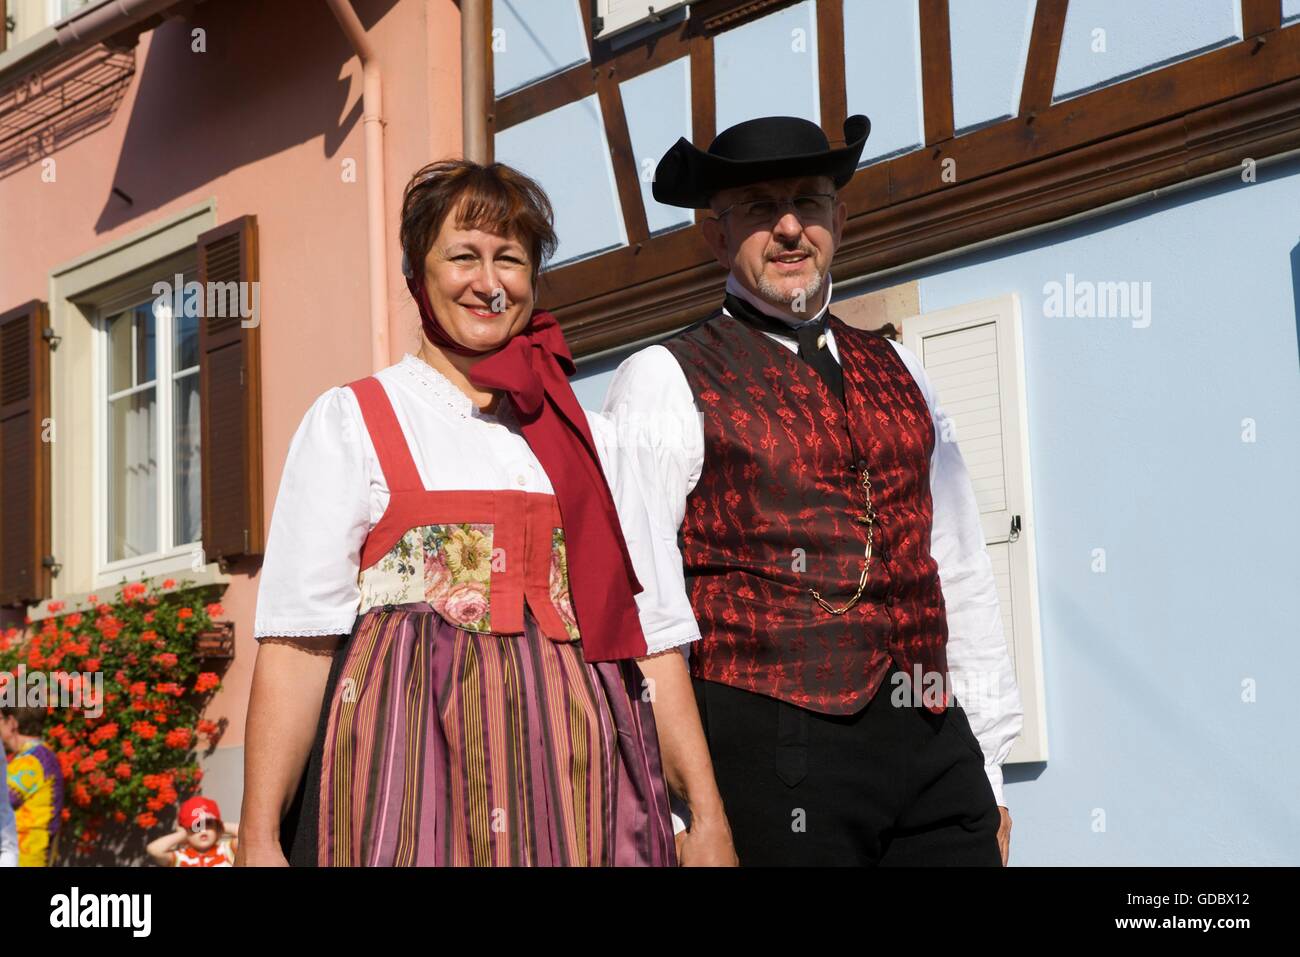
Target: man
[
  {"x": 35, "y": 784},
  {"x": 829, "y": 533}
]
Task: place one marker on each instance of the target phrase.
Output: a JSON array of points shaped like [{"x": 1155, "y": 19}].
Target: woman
[{"x": 503, "y": 698}]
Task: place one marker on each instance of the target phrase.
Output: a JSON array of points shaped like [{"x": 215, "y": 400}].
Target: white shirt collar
[
  {"x": 439, "y": 387},
  {"x": 734, "y": 286}
]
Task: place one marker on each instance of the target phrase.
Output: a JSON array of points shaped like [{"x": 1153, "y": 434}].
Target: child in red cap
[{"x": 200, "y": 838}]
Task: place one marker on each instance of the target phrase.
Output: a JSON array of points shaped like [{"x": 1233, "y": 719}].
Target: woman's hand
[
  {"x": 706, "y": 844},
  {"x": 283, "y": 710},
  {"x": 687, "y": 768},
  {"x": 261, "y": 854}
]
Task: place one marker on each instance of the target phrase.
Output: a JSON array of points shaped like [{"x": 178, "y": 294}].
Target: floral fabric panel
[
  {"x": 449, "y": 566},
  {"x": 560, "y": 597}
]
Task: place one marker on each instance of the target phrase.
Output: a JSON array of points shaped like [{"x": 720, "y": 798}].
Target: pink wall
[{"x": 263, "y": 121}]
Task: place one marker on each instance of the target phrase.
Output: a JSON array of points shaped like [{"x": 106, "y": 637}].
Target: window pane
[
  {"x": 658, "y": 108},
  {"x": 579, "y": 179},
  {"x": 146, "y": 340},
  {"x": 1105, "y": 41},
  {"x": 68, "y": 7},
  {"x": 132, "y": 476},
  {"x": 990, "y": 44},
  {"x": 882, "y": 75},
  {"x": 186, "y": 484},
  {"x": 185, "y": 349},
  {"x": 120, "y": 330},
  {"x": 534, "y": 39},
  {"x": 768, "y": 67}
]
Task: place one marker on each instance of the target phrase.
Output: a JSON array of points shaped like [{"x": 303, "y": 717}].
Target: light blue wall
[
  {"x": 1109, "y": 40},
  {"x": 1136, "y": 447},
  {"x": 592, "y": 379},
  {"x": 990, "y": 44},
  {"x": 1135, "y": 438}
]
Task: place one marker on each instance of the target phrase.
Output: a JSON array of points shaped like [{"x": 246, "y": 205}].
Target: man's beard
[{"x": 777, "y": 297}]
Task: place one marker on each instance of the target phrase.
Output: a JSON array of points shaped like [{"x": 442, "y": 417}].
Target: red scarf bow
[{"x": 533, "y": 368}]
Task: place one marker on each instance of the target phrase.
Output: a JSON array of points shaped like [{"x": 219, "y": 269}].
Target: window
[
  {"x": 974, "y": 359},
  {"x": 614, "y": 16},
  {"x": 922, "y": 71},
  {"x": 535, "y": 39},
  {"x": 151, "y": 476},
  {"x": 62, "y": 9}
]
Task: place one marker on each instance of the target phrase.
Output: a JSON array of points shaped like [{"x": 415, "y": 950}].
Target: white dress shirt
[
  {"x": 333, "y": 492},
  {"x": 653, "y": 409}
]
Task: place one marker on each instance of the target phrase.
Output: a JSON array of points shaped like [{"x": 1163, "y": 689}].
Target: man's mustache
[{"x": 807, "y": 250}]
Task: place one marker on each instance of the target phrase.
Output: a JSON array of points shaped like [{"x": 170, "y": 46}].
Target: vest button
[
  {"x": 389, "y": 607},
  {"x": 862, "y": 465}
]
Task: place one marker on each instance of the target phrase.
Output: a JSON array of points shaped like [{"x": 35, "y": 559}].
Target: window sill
[
  {"x": 159, "y": 565},
  {"x": 209, "y": 574}
]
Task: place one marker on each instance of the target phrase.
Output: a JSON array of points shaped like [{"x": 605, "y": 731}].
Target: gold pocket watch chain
[{"x": 867, "y": 518}]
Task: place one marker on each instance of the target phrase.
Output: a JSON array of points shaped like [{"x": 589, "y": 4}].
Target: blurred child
[
  {"x": 200, "y": 838},
  {"x": 8, "y": 826},
  {"x": 35, "y": 784}
]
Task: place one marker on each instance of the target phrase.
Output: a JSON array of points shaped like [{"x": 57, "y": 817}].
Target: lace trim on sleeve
[
  {"x": 655, "y": 648},
  {"x": 320, "y": 645}
]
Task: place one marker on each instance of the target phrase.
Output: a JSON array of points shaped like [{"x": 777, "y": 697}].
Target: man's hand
[
  {"x": 706, "y": 844},
  {"x": 1004, "y": 834}
]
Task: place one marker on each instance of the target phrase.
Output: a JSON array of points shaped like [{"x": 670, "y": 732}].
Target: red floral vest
[{"x": 774, "y": 515}]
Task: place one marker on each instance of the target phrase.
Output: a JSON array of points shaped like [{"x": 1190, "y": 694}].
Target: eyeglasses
[{"x": 807, "y": 207}]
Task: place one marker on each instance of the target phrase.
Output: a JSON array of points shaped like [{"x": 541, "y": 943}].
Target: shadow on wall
[{"x": 272, "y": 77}]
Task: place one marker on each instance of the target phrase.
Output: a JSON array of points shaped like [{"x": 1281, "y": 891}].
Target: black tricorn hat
[{"x": 770, "y": 147}]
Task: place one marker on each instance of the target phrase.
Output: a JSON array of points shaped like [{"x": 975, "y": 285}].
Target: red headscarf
[{"x": 533, "y": 368}]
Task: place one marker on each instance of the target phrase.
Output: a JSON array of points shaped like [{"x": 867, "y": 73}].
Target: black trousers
[{"x": 888, "y": 786}]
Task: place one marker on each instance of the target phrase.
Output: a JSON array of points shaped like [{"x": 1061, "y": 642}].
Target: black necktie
[{"x": 808, "y": 334}]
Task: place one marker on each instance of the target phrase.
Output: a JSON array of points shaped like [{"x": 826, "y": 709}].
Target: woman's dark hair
[{"x": 495, "y": 198}]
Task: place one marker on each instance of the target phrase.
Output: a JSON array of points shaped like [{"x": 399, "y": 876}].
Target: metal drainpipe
[
  {"x": 473, "y": 80},
  {"x": 376, "y": 229}
]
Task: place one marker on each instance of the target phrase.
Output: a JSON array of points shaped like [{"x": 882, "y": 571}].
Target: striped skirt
[{"x": 440, "y": 746}]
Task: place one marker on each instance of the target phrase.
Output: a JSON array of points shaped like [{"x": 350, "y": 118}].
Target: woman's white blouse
[{"x": 333, "y": 492}]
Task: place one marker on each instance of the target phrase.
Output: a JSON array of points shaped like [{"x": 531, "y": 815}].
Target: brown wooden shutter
[
  {"x": 230, "y": 395},
  {"x": 24, "y": 455}
]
